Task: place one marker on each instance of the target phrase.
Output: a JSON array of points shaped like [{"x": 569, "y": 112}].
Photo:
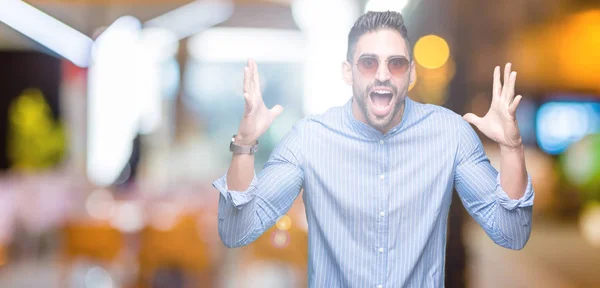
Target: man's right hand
[{"x": 257, "y": 117}]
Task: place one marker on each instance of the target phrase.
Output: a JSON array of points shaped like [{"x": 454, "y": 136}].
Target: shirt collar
[{"x": 370, "y": 132}]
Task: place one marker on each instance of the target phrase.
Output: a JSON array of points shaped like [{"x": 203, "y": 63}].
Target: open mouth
[{"x": 381, "y": 100}]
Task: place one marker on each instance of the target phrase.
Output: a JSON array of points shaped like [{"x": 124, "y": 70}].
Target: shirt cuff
[
  {"x": 511, "y": 204},
  {"x": 237, "y": 198}
]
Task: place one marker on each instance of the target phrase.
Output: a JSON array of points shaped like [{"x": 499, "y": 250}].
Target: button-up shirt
[{"x": 376, "y": 204}]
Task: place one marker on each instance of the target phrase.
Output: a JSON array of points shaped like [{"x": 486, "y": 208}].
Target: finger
[
  {"x": 496, "y": 86},
  {"x": 248, "y": 99},
  {"x": 507, "y": 70},
  {"x": 251, "y": 76},
  {"x": 513, "y": 106},
  {"x": 510, "y": 87},
  {"x": 276, "y": 110},
  {"x": 246, "y": 80},
  {"x": 472, "y": 118},
  {"x": 248, "y": 105},
  {"x": 256, "y": 79}
]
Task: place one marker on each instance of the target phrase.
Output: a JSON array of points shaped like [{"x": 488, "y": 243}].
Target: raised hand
[
  {"x": 257, "y": 117},
  {"x": 500, "y": 123}
]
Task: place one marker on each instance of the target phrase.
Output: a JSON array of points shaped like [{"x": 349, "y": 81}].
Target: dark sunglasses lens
[
  {"x": 368, "y": 66},
  {"x": 398, "y": 66}
]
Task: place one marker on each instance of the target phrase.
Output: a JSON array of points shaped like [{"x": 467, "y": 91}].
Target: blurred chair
[
  {"x": 3, "y": 258},
  {"x": 280, "y": 253},
  {"x": 294, "y": 253},
  {"x": 175, "y": 253},
  {"x": 95, "y": 241}
]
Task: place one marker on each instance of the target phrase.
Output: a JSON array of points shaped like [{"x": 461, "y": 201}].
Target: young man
[{"x": 379, "y": 171}]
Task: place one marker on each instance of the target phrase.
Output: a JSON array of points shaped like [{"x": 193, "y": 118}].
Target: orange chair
[
  {"x": 96, "y": 241},
  {"x": 3, "y": 259},
  {"x": 179, "y": 247},
  {"x": 286, "y": 247},
  {"x": 293, "y": 251}
]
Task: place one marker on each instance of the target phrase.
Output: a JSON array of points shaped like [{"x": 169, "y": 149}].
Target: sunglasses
[{"x": 368, "y": 65}]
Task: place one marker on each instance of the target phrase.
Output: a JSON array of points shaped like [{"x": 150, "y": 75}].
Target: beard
[{"x": 363, "y": 98}]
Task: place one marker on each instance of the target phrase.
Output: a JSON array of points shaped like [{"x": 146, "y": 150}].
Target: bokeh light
[
  {"x": 100, "y": 204},
  {"x": 562, "y": 55},
  {"x": 385, "y": 5},
  {"x": 164, "y": 216},
  {"x": 581, "y": 165},
  {"x": 280, "y": 238},
  {"x": 97, "y": 277},
  {"x": 559, "y": 124},
  {"x": 580, "y": 34},
  {"x": 589, "y": 223},
  {"x": 431, "y": 51},
  {"x": 284, "y": 222},
  {"x": 128, "y": 217}
]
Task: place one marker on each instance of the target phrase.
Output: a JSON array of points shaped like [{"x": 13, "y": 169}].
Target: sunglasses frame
[{"x": 379, "y": 62}]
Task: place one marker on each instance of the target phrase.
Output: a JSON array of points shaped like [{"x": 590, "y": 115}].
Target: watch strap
[{"x": 242, "y": 149}]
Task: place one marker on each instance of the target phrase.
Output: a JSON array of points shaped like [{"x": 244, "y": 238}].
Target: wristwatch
[{"x": 239, "y": 149}]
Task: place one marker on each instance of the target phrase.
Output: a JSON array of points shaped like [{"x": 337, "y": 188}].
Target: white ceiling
[{"x": 88, "y": 18}]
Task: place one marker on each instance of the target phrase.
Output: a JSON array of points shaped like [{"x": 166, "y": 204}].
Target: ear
[
  {"x": 347, "y": 72},
  {"x": 413, "y": 73}
]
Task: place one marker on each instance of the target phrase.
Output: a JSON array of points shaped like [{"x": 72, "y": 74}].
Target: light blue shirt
[{"x": 376, "y": 204}]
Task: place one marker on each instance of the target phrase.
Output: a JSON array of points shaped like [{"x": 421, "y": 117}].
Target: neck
[{"x": 358, "y": 114}]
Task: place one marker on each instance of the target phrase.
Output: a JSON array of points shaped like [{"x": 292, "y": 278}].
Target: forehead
[{"x": 383, "y": 43}]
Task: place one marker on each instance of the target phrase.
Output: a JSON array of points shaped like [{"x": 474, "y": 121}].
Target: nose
[{"x": 383, "y": 74}]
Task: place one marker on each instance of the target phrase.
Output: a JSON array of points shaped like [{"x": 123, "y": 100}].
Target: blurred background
[{"x": 116, "y": 116}]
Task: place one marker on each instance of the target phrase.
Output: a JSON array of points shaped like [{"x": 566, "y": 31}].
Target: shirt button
[
  {"x": 381, "y": 250},
  {"x": 381, "y": 142},
  {"x": 381, "y": 213},
  {"x": 379, "y": 286},
  {"x": 381, "y": 176}
]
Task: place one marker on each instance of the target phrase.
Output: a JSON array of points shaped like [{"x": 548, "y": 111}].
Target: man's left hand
[{"x": 500, "y": 123}]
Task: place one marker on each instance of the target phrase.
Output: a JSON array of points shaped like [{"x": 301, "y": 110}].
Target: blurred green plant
[
  {"x": 581, "y": 166},
  {"x": 35, "y": 140}
]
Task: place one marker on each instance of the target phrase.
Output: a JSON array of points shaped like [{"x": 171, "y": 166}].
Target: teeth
[{"x": 383, "y": 92}]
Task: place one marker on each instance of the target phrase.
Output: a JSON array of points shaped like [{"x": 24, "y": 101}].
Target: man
[{"x": 379, "y": 171}]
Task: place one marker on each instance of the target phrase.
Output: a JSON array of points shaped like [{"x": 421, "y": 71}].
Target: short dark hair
[{"x": 373, "y": 21}]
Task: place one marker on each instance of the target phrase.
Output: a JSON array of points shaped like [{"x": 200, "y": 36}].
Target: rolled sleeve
[
  {"x": 506, "y": 221},
  {"x": 236, "y": 198},
  {"x": 245, "y": 215},
  {"x": 511, "y": 204}
]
